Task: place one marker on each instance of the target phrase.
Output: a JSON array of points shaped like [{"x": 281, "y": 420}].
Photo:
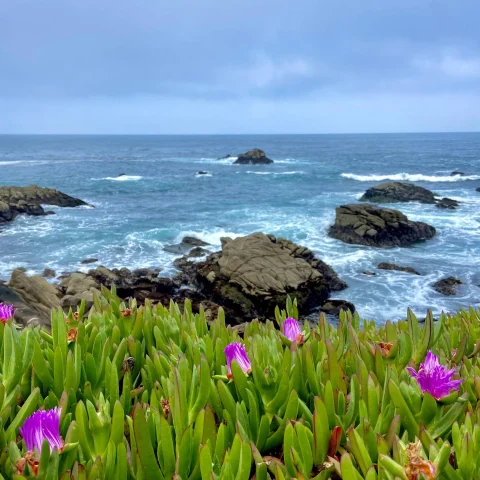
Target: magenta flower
[
  {"x": 292, "y": 331},
  {"x": 236, "y": 351},
  {"x": 435, "y": 378},
  {"x": 42, "y": 425},
  {"x": 6, "y": 312}
]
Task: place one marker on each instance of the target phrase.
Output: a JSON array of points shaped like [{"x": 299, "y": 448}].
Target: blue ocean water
[{"x": 160, "y": 199}]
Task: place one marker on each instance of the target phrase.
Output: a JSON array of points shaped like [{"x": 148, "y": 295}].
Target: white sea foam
[
  {"x": 25, "y": 162},
  {"x": 124, "y": 178},
  {"x": 418, "y": 177}
]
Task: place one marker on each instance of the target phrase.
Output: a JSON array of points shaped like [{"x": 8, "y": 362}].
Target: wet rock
[
  {"x": 392, "y": 266},
  {"x": 372, "y": 274},
  {"x": 393, "y": 192},
  {"x": 16, "y": 201},
  {"x": 253, "y": 274},
  {"x": 49, "y": 273},
  {"x": 89, "y": 260},
  {"x": 186, "y": 244},
  {"x": 447, "y": 286},
  {"x": 478, "y": 189},
  {"x": 366, "y": 224},
  {"x": 201, "y": 172},
  {"x": 253, "y": 157},
  {"x": 447, "y": 203},
  {"x": 334, "y": 307},
  {"x": 453, "y": 174}
]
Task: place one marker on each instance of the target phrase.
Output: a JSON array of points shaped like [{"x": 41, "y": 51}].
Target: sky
[{"x": 217, "y": 66}]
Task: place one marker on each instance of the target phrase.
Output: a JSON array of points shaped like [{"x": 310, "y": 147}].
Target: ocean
[{"x": 160, "y": 199}]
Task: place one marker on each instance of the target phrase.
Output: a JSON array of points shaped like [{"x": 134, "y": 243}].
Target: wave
[
  {"x": 413, "y": 177},
  {"x": 124, "y": 178},
  {"x": 24, "y": 162}
]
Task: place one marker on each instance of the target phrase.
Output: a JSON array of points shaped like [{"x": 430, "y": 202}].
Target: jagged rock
[
  {"x": 253, "y": 157},
  {"x": 195, "y": 252},
  {"x": 185, "y": 245},
  {"x": 334, "y": 307},
  {"x": 392, "y": 266},
  {"x": 393, "y": 192},
  {"x": 36, "y": 292},
  {"x": 89, "y": 260},
  {"x": 447, "y": 286},
  {"x": 447, "y": 203},
  {"x": 253, "y": 274},
  {"x": 366, "y": 224},
  {"x": 49, "y": 273},
  {"x": 16, "y": 201}
]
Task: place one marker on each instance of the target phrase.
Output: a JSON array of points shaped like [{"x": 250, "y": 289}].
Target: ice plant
[
  {"x": 6, "y": 312},
  {"x": 435, "y": 378},
  {"x": 292, "y": 331},
  {"x": 417, "y": 465},
  {"x": 42, "y": 425},
  {"x": 236, "y": 351}
]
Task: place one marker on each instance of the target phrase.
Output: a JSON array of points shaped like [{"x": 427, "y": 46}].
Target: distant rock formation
[
  {"x": 253, "y": 157},
  {"x": 373, "y": 226},
  {"x": 16, "y": 201}
]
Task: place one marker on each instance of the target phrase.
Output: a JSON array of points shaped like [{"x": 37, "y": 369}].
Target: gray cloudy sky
[{"x": 219, "y": 66}]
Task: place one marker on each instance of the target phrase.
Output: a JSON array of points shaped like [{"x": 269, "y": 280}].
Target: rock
[
  {"x": 73, "y": 301},
  {"x": 253, "y": 157},
  {"x": 392, "y": 266},
  {"x": 78, "y": 283},
  {"x": 195, "y": 252},
  {"x": 49, "y": 273},
  {"x": 478, "y": 189},
  {"x": 89, "y": 260},
  {"x": 366, "y": 224},
  {"x": 447, "y": 203},
  {"x": 24, "y": 314},
  {"x": 334, "y": 307},
  {"x": 457, "y": 173},
  {"x": 372, "y": 274},
  {"x": 123, "y": 175},
  {"x": 253, "y": 274},
  {"x": 201, "y": 172},
  {"x": 186, "y": 244},
  {"x": 393, "y": 192},
  {"x": 16, "y": 201},
  {"x": 36, "y": 292},
  {"x": 447, "y": 286}
]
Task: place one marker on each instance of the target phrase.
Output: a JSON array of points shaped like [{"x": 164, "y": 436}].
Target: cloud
[{"x": 450, "y": 63}]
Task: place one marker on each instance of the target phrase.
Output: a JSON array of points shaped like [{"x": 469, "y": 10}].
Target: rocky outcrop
[
  {"x": 16, "y": 201},
  {"x": 78, "y": 287},
  {"x": 334, "y": 307},
  {"x": 396, "y": 192},
  {"x": 253, "y": 157},
  {"x": 392, "y": 266},
  {"x": 253, "y": 274},
  {"x": 393, "y": 192},
  {"x": 447, "y": 286},
  {"x": 447, "y": 203},
  {"x": 185, "y": 245},
  {"x": 366, "y": 224}
]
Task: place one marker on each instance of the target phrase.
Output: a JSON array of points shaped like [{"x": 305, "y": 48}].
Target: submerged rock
[
  {"x": 393, "y": 192},
  {"x": 253, "y": 157},
  {"x": 447, "y": 203},
  {"x": 447, "y": 286},
  {"x": 202, "y": 172},
  {"x": 366, "y": 224},
  {"x": 392, "y": 266},
  {"x": 89, "y": 260},
  {"x": 453, "y": 174},
  {"x": 16, "y": 201},
  {"x": 253, "y": 274},
  {"x": 478, "y": 189}
]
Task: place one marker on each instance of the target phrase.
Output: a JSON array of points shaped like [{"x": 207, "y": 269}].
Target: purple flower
[
  {"x": 291, "y": 330},
  {"x": 43, "y": 424},
  {"x": 6, "y": 312},
  {"x": 236, "y": 351},
  {"x": 435, "y": 378}
]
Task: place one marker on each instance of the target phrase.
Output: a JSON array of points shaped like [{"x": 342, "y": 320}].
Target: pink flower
[
  {"x": 42, "y": 425},
  {"x": 6, "y": 312},
  {"x": 435, "y": 378},
  {"x": 292, "y": 331},
  {"x": 236, "y": 351}
]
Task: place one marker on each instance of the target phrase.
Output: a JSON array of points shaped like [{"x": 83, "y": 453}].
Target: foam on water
[
  {"x": 413, "y": 177},
  {"x": 296, "y": 172},
  {"x": 124, "y": 178}
]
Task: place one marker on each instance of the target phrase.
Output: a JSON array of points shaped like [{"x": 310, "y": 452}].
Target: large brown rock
[
  {"x": 253, "y": 157},
  {"x": 447, "y": 286},
  {"x": 16, "y": 201},
  {"x": 39, "y": 295},
  {"x": 366, "y": 224},
  {"x": 253, "y": 274}
]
